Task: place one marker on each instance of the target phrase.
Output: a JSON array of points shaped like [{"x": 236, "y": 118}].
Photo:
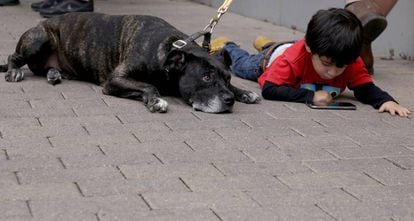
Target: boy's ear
[
  {"x": 307, "y": 48},
  {"x": 176, "y": 61}
]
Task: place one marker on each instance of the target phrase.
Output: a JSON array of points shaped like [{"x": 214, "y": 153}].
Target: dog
[{"x": 131, "y": 56}]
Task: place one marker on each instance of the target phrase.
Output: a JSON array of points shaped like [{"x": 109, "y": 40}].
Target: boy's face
[{"x": 325, "y": 68}]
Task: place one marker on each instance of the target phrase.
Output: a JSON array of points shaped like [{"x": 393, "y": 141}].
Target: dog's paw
[
  {"x": 53, "y": 76},
  {"x": 250, "y": 98},
  {"x": 14, "y": 75},
  {"x": 157, "y": 105}
]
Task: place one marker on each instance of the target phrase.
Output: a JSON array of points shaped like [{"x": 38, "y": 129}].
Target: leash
[{"x": 207, "y": 31}]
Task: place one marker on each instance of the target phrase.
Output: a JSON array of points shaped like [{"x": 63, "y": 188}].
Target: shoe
[
  {"x": 44, "y": 4},
  {"x": 261, "y": 42},
  {"x": 9, "y": 2},
  {"x": 374, "y": 23},
  {"x": 218, "y": 43},
  {"x": 67, "y": 6}
]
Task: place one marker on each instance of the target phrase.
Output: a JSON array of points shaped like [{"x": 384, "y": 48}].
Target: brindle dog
[{"x": 131, "y": 56}]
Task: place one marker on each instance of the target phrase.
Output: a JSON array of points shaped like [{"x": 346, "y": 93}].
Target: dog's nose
[{"x": 228, "y": 99}]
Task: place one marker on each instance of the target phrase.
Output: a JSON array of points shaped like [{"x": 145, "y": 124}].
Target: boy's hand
[
  {"x": 321, "y": 98},
  {"x": 394, "y": 109}
]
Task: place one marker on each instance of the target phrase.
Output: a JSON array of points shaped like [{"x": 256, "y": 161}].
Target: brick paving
[{"x": 68, "y": 152}]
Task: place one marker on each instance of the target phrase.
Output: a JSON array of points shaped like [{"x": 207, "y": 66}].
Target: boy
[{"x": 316, "y": 69}]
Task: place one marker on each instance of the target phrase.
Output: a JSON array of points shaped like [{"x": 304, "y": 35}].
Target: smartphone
[{"x": 335, "y": 106}]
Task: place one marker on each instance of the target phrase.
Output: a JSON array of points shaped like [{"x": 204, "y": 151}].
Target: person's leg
[
  {"x": 372, "y": 14},
  {"x": 243, "y": 64},
  {"x": 67, "y": 6},
  {"x": 9, "y": 2}
]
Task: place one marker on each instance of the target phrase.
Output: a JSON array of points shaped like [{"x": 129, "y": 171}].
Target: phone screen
[{"x": 335, "y": 106}]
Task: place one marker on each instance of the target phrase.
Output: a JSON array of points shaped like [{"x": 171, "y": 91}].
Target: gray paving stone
[
  {"x": 279, "y": 213},
  {"x": 153, "y": 171},
  {"x": 382, "y": 193},
  {"x": 68, "y": 175},
  {"x": 342, "y": 165},
  {"x": 327, "y": 180},
  {"x": 116, "y": 187},
  {"x": 195, "y": 200},
  {"x": 392, "y": 176},
  {"x": 14, "y": 210},
  {"x": 376, "y": 151},
  {"x": 47, "y": 191}
]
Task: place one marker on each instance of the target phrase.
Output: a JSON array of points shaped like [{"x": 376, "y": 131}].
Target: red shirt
[{"x": 294, "y": 68}]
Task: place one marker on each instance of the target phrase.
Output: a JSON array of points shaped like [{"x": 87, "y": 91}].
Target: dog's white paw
[
  {"x": 157, "y": 105},
  {"x": 250, "y": 98},
  {"x": 14, "y": 75}
]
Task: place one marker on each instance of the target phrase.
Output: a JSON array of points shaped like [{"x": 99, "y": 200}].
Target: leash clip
[{"x": 179, "y": 44}]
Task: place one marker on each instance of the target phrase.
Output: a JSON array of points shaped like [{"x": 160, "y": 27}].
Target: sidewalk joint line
[
  {"x": 61, "y": 162},
  {"x": 251, "y": 197},
  {"x": 135, "y": 136},
  {"x": 167, "y": 126},
  {"x": 117, "y": 117},
  {"x": 86, "y": 130},
  {"x": 122, "y": 173},
  {"x": 326, "y": 212},
  {"x": 189, "y": 146},
  {"x": 352, "y": 195},
  {"x": 50, "y": 142},
  {"x": 185, "y": 184},
  {"x": 220, "y": 171},
  {"x": 29, "y": 208},
  {"x": 214, "y": 212},
  {"x": 30, "y": 104},
  {"x": 103, "y": 100},
  {"x": 6, "y": 154},
  {"x": 196, "y": 116},
  {"x": 376, "y": 180},
  {"x": 156, "y": 157},
  {"x": 395, "y": 164},
  {"x": 281, "y": 181},
  {"x": 245, "y": 123},
  {"x": 74, "y": 111},
  {"x": 63, "y": 96},
  {"x": 100, "y": 149},
  {"x": 38, "y": 121},
  {"x": 17, "y": 177},
  {"x": 214, "y": 131},
  {"x": 145, "y": 201},
  {"x": 79, "y": 189},
  {"x": 1, "y": 135},
  {"x": 297, "y": 131}
]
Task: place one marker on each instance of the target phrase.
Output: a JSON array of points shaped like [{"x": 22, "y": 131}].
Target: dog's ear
[
  {"x": 175, "y": 61},
  {"x": 225, "y": 58}
]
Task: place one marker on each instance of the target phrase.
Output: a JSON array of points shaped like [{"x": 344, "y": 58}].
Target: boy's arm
[
  {"x": 273, "y": 91},
  {"x": 370, "y": 94}
]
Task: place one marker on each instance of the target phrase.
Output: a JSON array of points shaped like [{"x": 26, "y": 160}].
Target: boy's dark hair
[{"x": 335, "y": 33}]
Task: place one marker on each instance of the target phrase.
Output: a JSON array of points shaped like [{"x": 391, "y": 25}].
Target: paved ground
[{"x": 70, "y": 153}]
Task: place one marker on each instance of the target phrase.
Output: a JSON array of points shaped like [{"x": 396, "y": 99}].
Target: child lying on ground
[{"x": 314, "y": 70}]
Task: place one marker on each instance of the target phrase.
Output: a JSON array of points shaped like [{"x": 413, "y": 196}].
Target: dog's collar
[{"x": 178, "y": 44}]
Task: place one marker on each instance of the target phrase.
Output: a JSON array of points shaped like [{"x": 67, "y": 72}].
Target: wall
[{"x": 398, "y": 37}]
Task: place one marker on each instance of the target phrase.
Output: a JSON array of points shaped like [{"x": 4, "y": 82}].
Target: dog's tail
[{"x": 3, "y": 67}]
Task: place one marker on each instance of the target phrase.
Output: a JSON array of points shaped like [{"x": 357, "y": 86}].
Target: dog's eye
[{"x": 207, "y": 78}]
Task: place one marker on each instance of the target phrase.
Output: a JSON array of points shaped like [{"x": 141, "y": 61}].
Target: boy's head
[{"x": 334, "y": 35}]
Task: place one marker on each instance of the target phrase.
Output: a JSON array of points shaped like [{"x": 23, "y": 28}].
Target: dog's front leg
[
  {"x": 129, "y": 88},
  {"x": 244, "y": 96}
]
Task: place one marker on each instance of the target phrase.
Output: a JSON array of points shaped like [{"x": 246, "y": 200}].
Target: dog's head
[{"x": 204, "y": 80}]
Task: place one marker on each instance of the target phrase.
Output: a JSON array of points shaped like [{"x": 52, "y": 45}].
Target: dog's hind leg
[
  {"x": 121, "y": 86},
  {"x": 32, "y": 49},
  {"x": 244, "y": 96}
]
